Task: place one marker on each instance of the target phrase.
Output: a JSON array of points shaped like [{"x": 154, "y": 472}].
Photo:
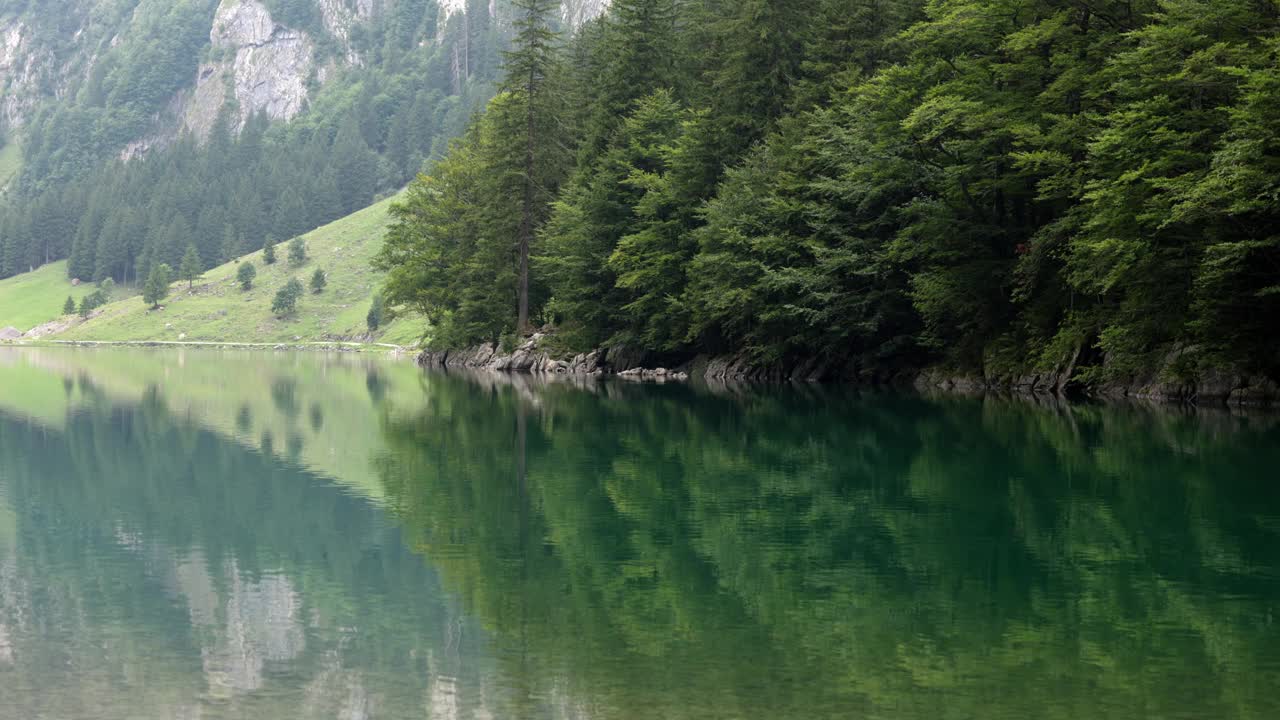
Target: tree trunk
[{"x": 526, "y": 212}]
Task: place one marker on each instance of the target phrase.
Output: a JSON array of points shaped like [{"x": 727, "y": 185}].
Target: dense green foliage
[
  {"x": 319, "y": 279},
  {"x": 368, "y": 129},
  {"x": 996, "y": 186}
]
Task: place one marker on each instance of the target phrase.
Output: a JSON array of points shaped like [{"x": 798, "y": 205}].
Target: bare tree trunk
[{"x": 526, "y": 212}]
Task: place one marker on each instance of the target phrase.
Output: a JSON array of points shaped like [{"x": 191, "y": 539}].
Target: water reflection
[
  {"x": 312, "y": 537},
  {"x": 666, "y": 553},
  {"x": 158, "y": 570}
]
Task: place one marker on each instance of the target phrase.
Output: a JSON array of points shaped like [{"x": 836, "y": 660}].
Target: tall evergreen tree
[
  {"x": 157, "y": 285},
  {"x": 191, "y": 268},
  {"x": 528, "y": 67}
]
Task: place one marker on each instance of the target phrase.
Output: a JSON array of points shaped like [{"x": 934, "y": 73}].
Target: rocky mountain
[
  {"x": 297, "y": 112},
  {"x": 249, "y": 56}
]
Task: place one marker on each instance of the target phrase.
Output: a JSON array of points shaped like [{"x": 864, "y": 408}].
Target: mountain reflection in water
[{"x": 214, "y": 535}]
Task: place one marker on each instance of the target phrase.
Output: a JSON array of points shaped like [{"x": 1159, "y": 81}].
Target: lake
[{"x": 204, "y": 534}]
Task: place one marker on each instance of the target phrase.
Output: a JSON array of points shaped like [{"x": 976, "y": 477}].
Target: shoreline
[
  {"x": 1211, "y": 388},
  {"x": 297, "y": 346},
  {"x": 1234, "y": 393}
]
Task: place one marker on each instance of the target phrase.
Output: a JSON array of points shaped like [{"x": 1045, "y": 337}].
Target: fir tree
[
  {"x": 157, "y": 286},
  {"x": 376, "y": 310},
  {"x": 69, "y": 307},
  {"x": 528, "y": 68},
  {"x": 318, "y": 281},
  {"x": 190, "y": 269},
  {"x": 269, "y": 250}
]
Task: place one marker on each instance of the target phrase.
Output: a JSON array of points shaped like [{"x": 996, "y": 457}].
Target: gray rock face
[
  {"x": 530, "y": 357},
  {"x": 18, "y": 70},
  {"x": 257, "y": 64},
  {"x": 340, "y": 17},
  {"x": 576, "y": 13},
  {"x": 265, "y": 68},
  {"x": 30, "y": 69}
]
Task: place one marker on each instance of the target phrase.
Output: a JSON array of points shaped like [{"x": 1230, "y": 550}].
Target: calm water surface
[{"x": 232, "y": 535}]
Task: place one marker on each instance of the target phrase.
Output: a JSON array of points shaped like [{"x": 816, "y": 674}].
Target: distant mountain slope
[
  {"x": 132, "y": 128},
  {"x": 216, "y": 310}
]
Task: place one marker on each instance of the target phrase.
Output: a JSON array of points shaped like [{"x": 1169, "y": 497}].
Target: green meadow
[{"x": 216, "y": 309}]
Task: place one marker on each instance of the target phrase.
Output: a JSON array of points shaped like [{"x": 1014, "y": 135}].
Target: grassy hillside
[
  {"x": 34, "y": 298},
  {"x": 216, "y": 310}
]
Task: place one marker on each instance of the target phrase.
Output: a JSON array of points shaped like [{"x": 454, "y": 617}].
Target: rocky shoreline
[
  {"x": 533, "y": 356},
  {"x": 1221, "y": 387}
]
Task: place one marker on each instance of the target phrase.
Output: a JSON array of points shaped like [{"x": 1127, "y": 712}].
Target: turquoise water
[{"x": 236, "y": 535}]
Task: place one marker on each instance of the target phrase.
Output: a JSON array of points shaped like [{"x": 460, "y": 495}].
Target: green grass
[
  {"x": 216, "y": 310},
  {"x": 34, "y": 298}
]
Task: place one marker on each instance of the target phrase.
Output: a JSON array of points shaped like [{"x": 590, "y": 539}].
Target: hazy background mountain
[{"x": 134, "y": 128}]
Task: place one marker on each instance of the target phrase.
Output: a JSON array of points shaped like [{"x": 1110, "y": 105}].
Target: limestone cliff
[
  {"x": 265, "y": 67},
  {"x": 252, "y": 62}
]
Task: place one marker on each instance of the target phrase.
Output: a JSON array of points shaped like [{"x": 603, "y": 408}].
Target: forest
[
  {"x": 364, "y": 134},
  {"x": 988, "y": 185}
]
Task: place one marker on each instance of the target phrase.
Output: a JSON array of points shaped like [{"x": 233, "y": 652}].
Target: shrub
[
  {"x": 286, "y": 300},
  {"x": 298, "y": 251},
  {"x": 376, "y": 311},
  {"x": 245, "y": 275}
]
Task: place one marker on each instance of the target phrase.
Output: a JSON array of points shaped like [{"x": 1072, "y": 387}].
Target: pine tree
[
  {"x": 318, "y": 281},
  {"x": 157, "y": 285},
  {"x": 374, "y": 318},
  {"x": 637, "y": 54},
  {"x": 290, "y": 213},
  {"x": 230, "y": 243},
  {"x": 190, "y": 269},
  {"x": 625, "y": 192},
  {"x": 69, "y": 307},
  {"x": 111, "y": 253},
  {"x": 355, "y": 165},
  {"x": 269, "y": 250},
  {"x": 528, "y": 68}
]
